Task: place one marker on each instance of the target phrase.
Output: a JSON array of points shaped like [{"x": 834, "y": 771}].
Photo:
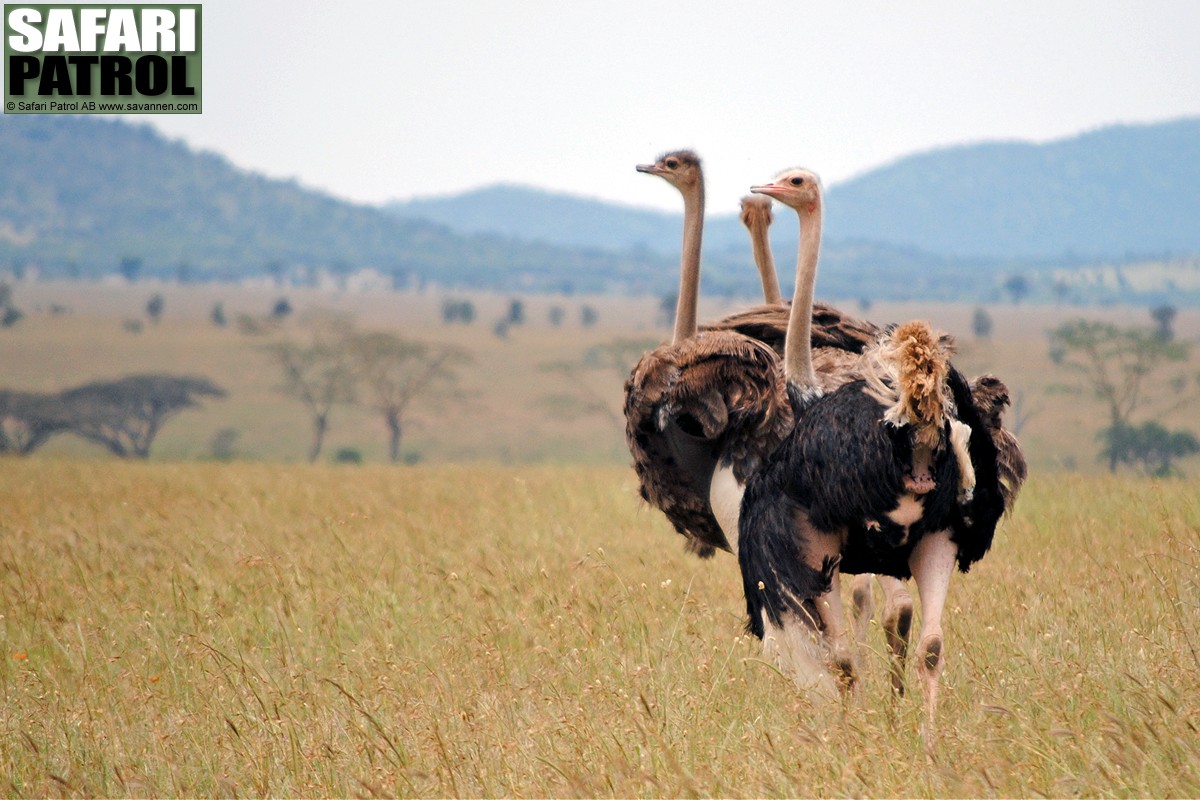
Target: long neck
[
  {"x": 797, "y": 364},
  {"x": 689, "y": 265},
  {"x": 765, "y": 262}
]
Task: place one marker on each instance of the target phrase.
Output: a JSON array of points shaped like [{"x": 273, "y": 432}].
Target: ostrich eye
[
  {"x": 672, "y": 163},
  {"x": 797, "y": 181}
]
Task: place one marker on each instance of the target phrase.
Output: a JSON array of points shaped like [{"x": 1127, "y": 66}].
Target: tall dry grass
[{"x": 203, "y": 629}]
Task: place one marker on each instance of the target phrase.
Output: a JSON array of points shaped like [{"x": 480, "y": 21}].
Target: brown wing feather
[
  {"x": 830, "y": 328},
  {"x": 835, "y": 366},
  {"x": 718, "y": 397}
]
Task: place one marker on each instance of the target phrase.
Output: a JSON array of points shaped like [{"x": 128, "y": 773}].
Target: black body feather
[
  {"x": 974, "y": 525},
  {"x": 844, "y": 467}
]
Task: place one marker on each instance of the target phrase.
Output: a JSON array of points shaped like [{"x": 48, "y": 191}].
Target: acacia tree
[
  {"x": 319, "y": 375},
  {"x": 9, "y": 314},
  {"x": 1119, "y": 367},
  {"x": 981, "y": 324},
  {"x": 396, "y": 371},
  {"x": 1149, "y": 447},
  {"x": 125, "y": 415},
  {"x": 666, "y": 309}
]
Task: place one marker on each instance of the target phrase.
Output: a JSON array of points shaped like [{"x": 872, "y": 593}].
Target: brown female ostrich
[
  {"x": 707, "y": 401},
  {"x": 896, "y": 474}
]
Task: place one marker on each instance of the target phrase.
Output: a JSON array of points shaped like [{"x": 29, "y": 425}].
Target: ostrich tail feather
[{"x": 906, "y": 373}]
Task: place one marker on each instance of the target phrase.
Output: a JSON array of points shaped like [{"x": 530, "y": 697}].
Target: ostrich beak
[
  {"x": 649, "y": 169},
  {"x": 769, "y": 189}
]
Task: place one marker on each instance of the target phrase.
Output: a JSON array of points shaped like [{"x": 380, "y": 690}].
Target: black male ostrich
[
  {"x": 989, "y": 394},
  {"x": 896, "y": 475}
]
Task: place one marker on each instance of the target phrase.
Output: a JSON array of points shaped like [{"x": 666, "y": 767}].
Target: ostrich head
[
  {"x": 680, "y": 168},
  {"x": 756, "y": 211},
  {"x": 797, "y": 188}
]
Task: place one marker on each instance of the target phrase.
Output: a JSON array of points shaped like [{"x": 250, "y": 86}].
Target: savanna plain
[{"x": 505, "y": 617}]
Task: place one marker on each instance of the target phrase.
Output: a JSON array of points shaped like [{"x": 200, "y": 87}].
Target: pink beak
[{"x": 769, "y": 189}]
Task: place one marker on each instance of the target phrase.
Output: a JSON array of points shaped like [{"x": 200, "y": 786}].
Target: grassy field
[
  {"x": 508, "y": 407},
  {"x": 269, "y": 629}
]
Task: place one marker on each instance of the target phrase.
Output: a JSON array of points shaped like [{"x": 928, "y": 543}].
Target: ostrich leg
[
  {"x": 932, "y": 562},
  {"x": 897, "y": 620},
  {"x": 829, "y": 607},
  {"x": 864, "y": 606}
]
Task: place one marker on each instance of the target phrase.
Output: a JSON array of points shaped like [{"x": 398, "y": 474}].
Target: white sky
[{"x": 374, "y": 100}]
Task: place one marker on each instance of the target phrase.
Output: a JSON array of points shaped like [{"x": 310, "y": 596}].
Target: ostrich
[
  {"x": 989, "y": 394},
  {"x": 757, "y": 216},
  {"x": 873, "y": 477},
  {"x": 703, "y": 411}
]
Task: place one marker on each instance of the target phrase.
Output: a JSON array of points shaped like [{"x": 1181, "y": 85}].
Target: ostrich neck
[
  {"x": 763, "y": 259},
  {"x": 797, "y": 364},
  {"x": 689, "y": 265}
]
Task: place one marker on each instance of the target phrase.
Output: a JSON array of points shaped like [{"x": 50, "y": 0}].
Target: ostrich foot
[
  {"x": 844, "y": 670},
  {"x": 930, "y": 665}
]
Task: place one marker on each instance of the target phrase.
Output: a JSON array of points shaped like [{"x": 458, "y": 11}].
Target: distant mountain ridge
[
  {"x": 82, "y": 196},
  {"x": 85, "y": 197},
  {"x": 564, "y": 219},
  {"x": 536, "y": 214},
  {"x": 1112, "y": 194}
]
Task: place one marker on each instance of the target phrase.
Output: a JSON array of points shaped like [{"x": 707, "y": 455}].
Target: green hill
[
  {"x": 81, "y": 195},
  {"x": 852, "y": 268}
]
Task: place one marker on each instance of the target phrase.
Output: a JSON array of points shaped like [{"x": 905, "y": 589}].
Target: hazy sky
[{"x": 384, "y": 99}]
